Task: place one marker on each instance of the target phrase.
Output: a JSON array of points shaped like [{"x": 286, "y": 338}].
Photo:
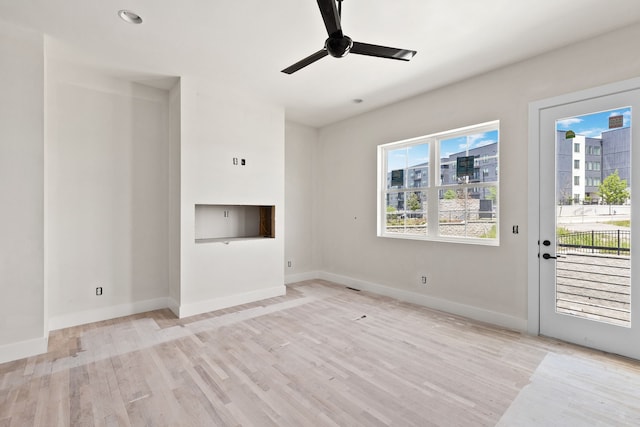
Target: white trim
[
  {"x": 22, "y": 349},
  {"x": 533, "y": 248},
  {"x": 301, "y": 277},
  {"x": 475, "y": 313},
  {"x": 105, "y": 313},
  {"x": 444, "y": 239},
  {"x": 586, "y": 94},
  {"x": 186, "y": 310}
]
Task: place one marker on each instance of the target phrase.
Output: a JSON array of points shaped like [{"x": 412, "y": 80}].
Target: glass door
[{"x": 586, "y": 259}]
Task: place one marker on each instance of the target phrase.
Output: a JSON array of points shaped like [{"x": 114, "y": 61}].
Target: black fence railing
[{"x": 617, "y": 242}]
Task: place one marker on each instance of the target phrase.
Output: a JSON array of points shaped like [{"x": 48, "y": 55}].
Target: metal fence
[{"x": 616, "y": 242}]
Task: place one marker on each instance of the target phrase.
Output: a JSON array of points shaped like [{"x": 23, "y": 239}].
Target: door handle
[{"x": 547, "y": 256}]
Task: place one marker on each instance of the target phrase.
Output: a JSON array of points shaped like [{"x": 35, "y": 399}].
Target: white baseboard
[
  {"x": 186, "y": 310},
  {"x": 471, "y": 312},
  {"x": 301, "y": 277},
  {"x": 105, "y": 313},
  {"x": 22, "y": 349}
]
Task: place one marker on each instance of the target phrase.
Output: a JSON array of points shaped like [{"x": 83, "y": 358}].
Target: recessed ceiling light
[{"x": 130, "y": 17}]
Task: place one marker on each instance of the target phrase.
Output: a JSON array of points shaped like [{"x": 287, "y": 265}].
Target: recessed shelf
[{"x": 216, "y": 223}]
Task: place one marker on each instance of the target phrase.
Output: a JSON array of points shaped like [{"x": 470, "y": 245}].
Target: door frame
[{"x": 533, "y": 223}]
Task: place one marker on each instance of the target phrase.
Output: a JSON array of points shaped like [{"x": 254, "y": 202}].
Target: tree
[
  {"x": 449, "y": 195},
  {"x": 493, "y": 194},
  {"x": 613, "y": 190},
  {"x": 391, "y": 213},
  {"x": 413, "y": 202}
]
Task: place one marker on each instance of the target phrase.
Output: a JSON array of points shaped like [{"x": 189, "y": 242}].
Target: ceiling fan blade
[
  {"x": 382, "y": 51},
  {"x": 306, "y": 61},
  {"x": 330, "y": 17}
]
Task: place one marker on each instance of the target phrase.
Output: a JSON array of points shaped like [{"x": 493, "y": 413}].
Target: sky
[
  {"x": 589, "y": 125},
  {"x": 411, "y": 156},
  {"x": 419, "y": 154},
  {"x": 592, "y": 125},
  {"x": 464, "y": 143}
]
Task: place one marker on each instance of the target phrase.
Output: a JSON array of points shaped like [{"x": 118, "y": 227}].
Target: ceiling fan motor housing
[{"x": 338, "y": 46}]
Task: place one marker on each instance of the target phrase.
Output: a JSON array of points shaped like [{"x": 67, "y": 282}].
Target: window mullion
[{"x": 432, "y": 190}]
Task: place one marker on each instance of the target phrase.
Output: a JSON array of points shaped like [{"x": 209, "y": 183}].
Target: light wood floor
[{"x": 322, "y": 355}]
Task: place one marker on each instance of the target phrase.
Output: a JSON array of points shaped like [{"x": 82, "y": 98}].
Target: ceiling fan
[{"x": 339, "y": 45}]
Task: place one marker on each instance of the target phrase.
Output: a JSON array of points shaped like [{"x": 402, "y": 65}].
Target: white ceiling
[{"x": 245, "y": 43}]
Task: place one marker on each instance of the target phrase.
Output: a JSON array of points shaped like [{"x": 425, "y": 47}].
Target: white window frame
[{"x": 434, "y": 187}]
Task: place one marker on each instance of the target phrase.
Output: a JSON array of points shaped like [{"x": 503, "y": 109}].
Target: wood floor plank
[{"x": 322, "y": 355}]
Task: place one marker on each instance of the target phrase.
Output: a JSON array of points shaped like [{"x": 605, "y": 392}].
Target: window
[
  {"x": 576, "y": 180},
  {"x": 593, "y": 166},
  {"x": 576, "y": 147},
  {"x": 576, "y": 164},
  {"x": 593, "y": 150},
  {"x": 593, "y": 181},
  {"x": 442, "y": 186}
]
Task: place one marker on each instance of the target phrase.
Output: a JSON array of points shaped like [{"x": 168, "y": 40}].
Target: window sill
[{"x": 445, "y": 239}]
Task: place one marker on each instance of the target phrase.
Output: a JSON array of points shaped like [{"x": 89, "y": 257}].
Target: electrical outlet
[
  {"x": 99, "y": 290},
  {"x": 289, "y": 264},
  {"x": 423, "y": 280}
]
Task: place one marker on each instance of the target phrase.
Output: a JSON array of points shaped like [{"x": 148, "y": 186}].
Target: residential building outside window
[
  {"x": 602, "y": 155},
  {"x": 441, "y": 186}
]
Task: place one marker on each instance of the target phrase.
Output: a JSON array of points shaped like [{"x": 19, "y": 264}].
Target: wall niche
[{"x": 216, "y": 223}]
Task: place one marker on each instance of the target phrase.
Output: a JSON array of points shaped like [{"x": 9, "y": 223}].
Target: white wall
[
  {"x": 301, "y": 143},
  {"x": 218, "y": 125},
  {"x": 107, "y": 195},
  {"x": 22, "y": 324},
  {"x": 489, "y": 283}
]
